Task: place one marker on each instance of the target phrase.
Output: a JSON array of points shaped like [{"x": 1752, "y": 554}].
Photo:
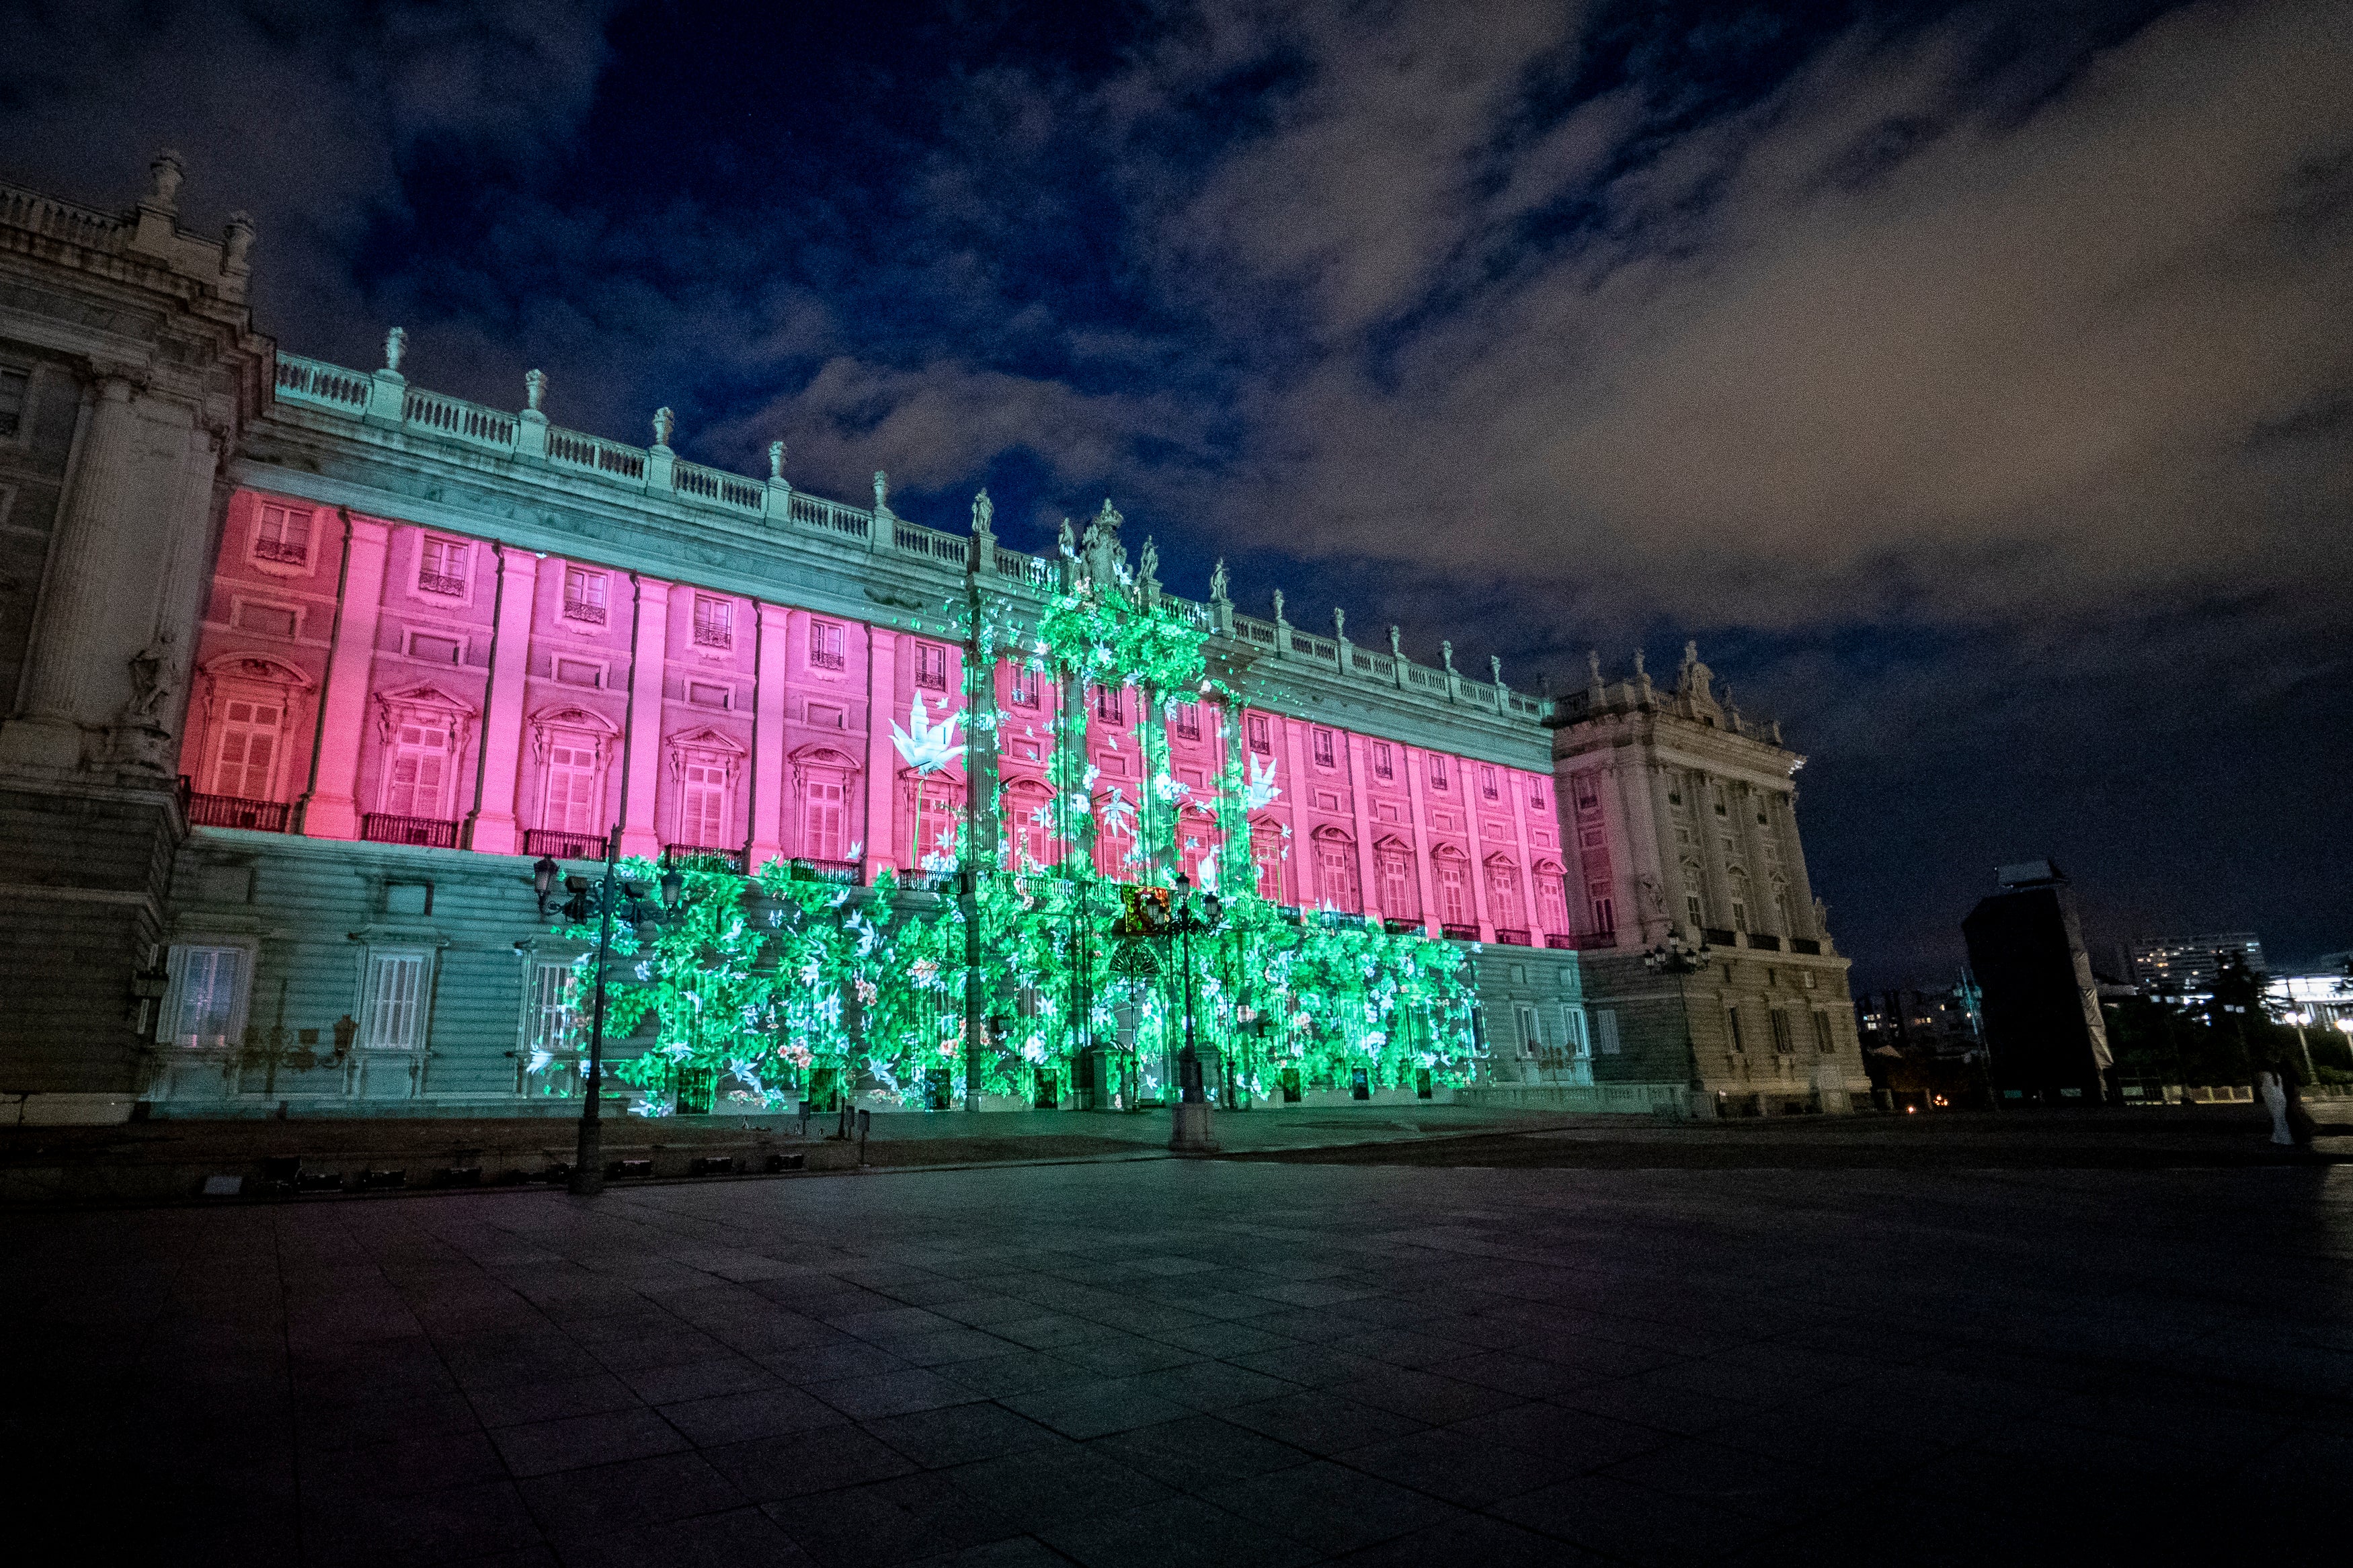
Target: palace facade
[{"x": 310, "y": 665}]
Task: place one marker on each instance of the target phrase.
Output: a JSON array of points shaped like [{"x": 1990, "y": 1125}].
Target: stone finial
[
  {"x": 396, "y": 345},
  {"x": 983, "y": 512},
  {"x": 775, "y": 460},
  {"x": 664, "y": 423},
  {"x": 1339, "y": 622},
  {"x": 164, "y": 176},
  {"x": 534, "y": 389},
  {"x": 1396, "y": 642},
  {"x": 237, "y": 242}
]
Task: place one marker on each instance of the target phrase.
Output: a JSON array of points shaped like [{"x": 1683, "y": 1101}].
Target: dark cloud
[{"x": 1976, "y": 387}]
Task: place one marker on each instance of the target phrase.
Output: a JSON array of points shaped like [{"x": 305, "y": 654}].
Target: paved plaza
[{"x": 1216, "y": 1362}]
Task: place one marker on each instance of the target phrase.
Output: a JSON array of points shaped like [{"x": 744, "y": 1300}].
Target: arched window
[
  {"x": 1400, "y": 889},
  {"x": 424, "y": 729},
  {"x": 1552, "y": 901},
  {"x": 1451, "y": 870},
  {"x": 823, "y": 786},
  {"x": 1336, "y": 871},
  {"x": 705, "y": 765},
  {"x": 1267, "y": 854},
  {"x": 1029, "y": 808},
  {"x": 1504, "y": 905}
]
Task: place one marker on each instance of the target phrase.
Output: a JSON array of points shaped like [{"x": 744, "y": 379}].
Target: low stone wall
[{"x": 1621, "y": 1099}]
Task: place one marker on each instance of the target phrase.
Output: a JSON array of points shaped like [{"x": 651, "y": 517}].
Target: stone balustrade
[{"x": 314, "y": 384}]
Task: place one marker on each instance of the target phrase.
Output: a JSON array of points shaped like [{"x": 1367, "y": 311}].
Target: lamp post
[
  {"x": 1677, "y": 958},
  {"x": 588, "y": 1154},
  {"x": 1194, "y": 1130}
]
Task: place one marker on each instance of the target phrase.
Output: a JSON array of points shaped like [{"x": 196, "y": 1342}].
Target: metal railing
[
  {"x": 236, "y": 811},
  {"x": 811, "y": 870},
  {"x": 582, "y": 610},
  {"x": 703, "y": 857},
  {"x": 430, "y": 832},
  {"x": 1511, "y": 936},
  {"x": 559, "y": 845},
  {"x": 441, "y": 583},
  {"x": 1457, "y": 932},
  {"x": 1570, "y": 944},
  {"x": 714, "y": 637}
]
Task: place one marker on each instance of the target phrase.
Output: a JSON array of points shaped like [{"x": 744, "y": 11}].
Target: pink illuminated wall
[{"x": 485, "y": 697}]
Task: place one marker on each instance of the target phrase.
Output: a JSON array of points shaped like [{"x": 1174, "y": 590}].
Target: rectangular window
[
  {"x": 1537, "y": 800},
  {"x": 1531, "y": 1032},
  {"x": 824, "y": 834},
  {"x": 1188, "y": 721},
  {"x": 1823, "y": 1041},
  {"x": 932, "y": 666},
  {"x": 1437, "y": 771},
  {"x": 1732, "y": 1022},
  {"x": 584, "y": 596},
  {"x": 1324, "y": 750},
  {"x": 1605, "y": 1032},
  {"x": 1382, "y": 767},
  {"x": 283, "y": 535},
  {"x": 416, "y": 770},
  {"x": 1692, "y": 907},
  {"x": 1603, "y": 906},
  {"x": 441, "y": 567},
  {"x": 396, "y": 1001},
  {"x": 1573, "y": 1035},
  {"x": 1021, "y": 687},
  {"x": 1259, "y": 741},
  {"x": 826, "y": 650},
  {"x": 13, "y": 385},
  {"x": 572, "y": 793},
  {"x": 1782, "y": 1042},
  {"x": 1110, "y": 706},
  {"x": 1487, "y": 782},
  {"x": 553, "y": 1006},
  {"x": 206, "y": 982},
  {"x": 702, "y": 816},
  {"x": 246, "y": 765},
  {"x": 1589, "y": 838},
  {"x": 714, "y": 622}
]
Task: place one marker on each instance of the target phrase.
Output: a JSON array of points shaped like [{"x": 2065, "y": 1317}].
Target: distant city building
[
  {"x": 2041, "y": 1011},
  {"x": 1941, "y": 1020},
  {"x": 2185, "y": 966}
]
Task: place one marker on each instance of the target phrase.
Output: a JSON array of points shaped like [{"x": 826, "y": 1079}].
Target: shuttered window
[
  {"x": 702, "y": 816},
  {"x": 418, "y": 770},
  {"x": 247, "y": 763},
  {"x": 204, "y": 1003},
  {"x": 396, "y": 993}
]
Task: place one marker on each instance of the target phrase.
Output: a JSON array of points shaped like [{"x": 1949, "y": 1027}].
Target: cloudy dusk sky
[{"x": 1975, "y": 385}]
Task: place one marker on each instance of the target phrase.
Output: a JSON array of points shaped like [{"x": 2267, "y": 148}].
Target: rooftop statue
[
  {"x": 983, "y": 511},
  {"x": 1217, "y": 593}
]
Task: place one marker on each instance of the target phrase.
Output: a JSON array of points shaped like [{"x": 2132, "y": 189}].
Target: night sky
[{"x": 1975, "y": 385}]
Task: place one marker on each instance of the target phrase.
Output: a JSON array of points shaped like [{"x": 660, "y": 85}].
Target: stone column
[
  {"x": 1670, "y": 857},
  {"x": 1368, "y": 887},
  {"x": 1418, "y": 834},
  {"x": 768, "y": 735},
  {"x": 493, "y": 829},
  {"x": 1710, "y": 831},
  {"x": 68, "y": 645},
  {"x": 331, "y": 808},
  {"x": 1793, "y": 861},
  {"x": 1761, "y": 914},
  {"x": 1303, "y": 876},
  {"x": 881, "y": 757},
  {"x": 1466, "y": 779},
  {"x": 147, "y": 731},
  {"x": 641, "y": 763}
]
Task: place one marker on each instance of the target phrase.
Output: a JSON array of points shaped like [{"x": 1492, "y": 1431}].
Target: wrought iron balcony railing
[
  {"x": 236, "y": 811},
  {"x": 385, "y": 827}
]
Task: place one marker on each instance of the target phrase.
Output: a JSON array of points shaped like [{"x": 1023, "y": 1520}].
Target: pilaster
[
  {"x": 1413, "y": 760},
  {"x": 881, "y": 770},
  {"x": 642, "y": 749},
  {"x": 331, "y": 808},
  {"x": 768, "y": 734},
  {"x": 492, "y": 828}
]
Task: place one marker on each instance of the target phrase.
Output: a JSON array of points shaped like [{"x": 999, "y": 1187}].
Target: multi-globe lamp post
[
  {"x": 1679, "y": 958},
  {"x": 588, "y": 1177}
]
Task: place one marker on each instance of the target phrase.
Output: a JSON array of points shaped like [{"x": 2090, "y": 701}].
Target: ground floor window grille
[
  {"x": 208, "y": 988},
  {"x": 396, "y": 1000}
]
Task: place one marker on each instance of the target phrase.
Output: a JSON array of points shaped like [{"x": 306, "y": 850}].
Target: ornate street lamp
[
  {"x": 588, "y": 1155},
  {"x": 1676, "y": 957},
  {"x": 1154, "y": 915}
]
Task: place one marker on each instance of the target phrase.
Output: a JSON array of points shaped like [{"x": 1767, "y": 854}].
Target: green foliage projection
[{"x": 762, "y": 990}]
